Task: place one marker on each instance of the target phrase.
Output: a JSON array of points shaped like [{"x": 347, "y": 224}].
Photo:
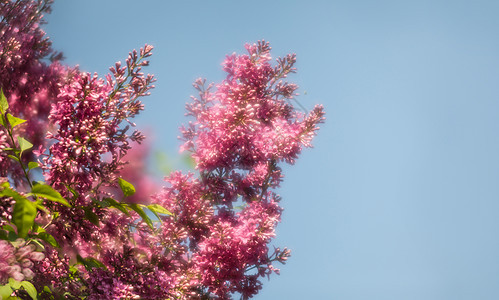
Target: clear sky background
[{"x": 399, "y": 197}]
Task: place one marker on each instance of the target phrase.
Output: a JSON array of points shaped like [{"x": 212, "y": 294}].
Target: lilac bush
[{"x": 79, "y": 229}]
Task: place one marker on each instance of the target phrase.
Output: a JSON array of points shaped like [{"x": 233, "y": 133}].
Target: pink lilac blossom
[
  {"x": 241, "y": 132},
  {"x": 90, "y": 143},
  {"x": 209, "y": 248},
  {"x": 89, "y": 114},
  {"x": 7, "y": 259},
  {"x": 215, "y": 244},
  {"x": 128, "y": 275},
  {"x": 17, "y": 261},
  {"x": 30, "y": 73},
  {"x": 54, "y": 271}
]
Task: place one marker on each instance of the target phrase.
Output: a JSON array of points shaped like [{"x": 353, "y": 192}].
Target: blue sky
[{"x": 399, "y": 197}]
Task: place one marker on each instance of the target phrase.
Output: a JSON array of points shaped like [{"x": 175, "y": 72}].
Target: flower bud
[
  {"x": 26, "y": 263},
  {"x": 28, "y": 274},
  {"x": 37, "y": 256}
]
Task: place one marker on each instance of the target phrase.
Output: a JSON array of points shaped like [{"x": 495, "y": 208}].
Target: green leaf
[
  {"x": 73, "y": 269},
  {"x": 142, "y": 214},
  {"x": 30, "y": 289},
  {"x": 4, "y": 234},
  {"x": 39, "y": 245},
  {"x": 14, "y": 121},
  {"x": 11, "y": 233},
  {"x": 49, "y": 239},
  {"x": 3, "y": 121},
  {"x": 46, "y": 289},
  {"x": 89, "y": 263},
  {"x": 7, "y": 191},
  {"x": 75, "y": 193},
  {"x": 158, "y": 217},
  {"x": 36, "y": 228},
  {"x": 4, "y": 105},
  {"x": 126, "y": 187},
  {"x": 8, "y": 228},
  {"x": 13, "y": 236},
  {"x": 5, "y": 291},
  {"x": 116, "y": 204},
  {"x": 14, "y": 284},
  {"x": 47, "y": 192},
  {"x": 91, "y": 216},
  {"x": 13, "y": 157},
  {"x": 23, "y": 216},
  {"x": 156, "y": 208},
  {"x": 24, "y": 144},
  {"x": 32, "y": 165}
]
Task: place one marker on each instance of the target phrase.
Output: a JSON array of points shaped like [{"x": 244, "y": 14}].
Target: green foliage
[
  {"x": 30, "y": 289},
  {"x": 138, "y": 209},
  {"x": 5, "y": 291},
  {"x": 14, "y": 158},
  {"x": 8, "y": 233},
  {"x": 47, "y": 192},
  {"x": 47, "y": 290},
  {"x": 32, "y": 165},
  {"x": 158, "y": 209},
  {"x": 13, "y": 285},
  {"x": 13, "y": 121},
  {"x": 126, "y": 187},
  {"x": 121, "y": 206},
  {"x": 4, "y": 234},
  {"x": 4, "y": 105},
  {"x": 91, "y": 216},
  {"x": 23, "y": 216},
  {"x": 9, "y": 192},
  {"x": 89, "y": 263},
  {"x": 24, "y": 144},
  {"x": 73, "y": 192},
  {"x": 48, "y": 238}
]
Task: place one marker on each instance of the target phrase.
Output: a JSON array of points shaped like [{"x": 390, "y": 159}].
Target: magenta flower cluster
[
  {"x": 88, "y": 115},
  {"x": 30, "y": 72},
  {"x": 17, "y": 259},
  {"x": 206, "y": 235}
]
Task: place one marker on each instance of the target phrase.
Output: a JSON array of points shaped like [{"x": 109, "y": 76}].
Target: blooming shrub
[{"x": 82, "y": 231}]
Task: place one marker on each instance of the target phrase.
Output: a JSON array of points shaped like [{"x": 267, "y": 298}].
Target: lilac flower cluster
[
  {"x": 88, "y": 114},
  {"x": 90, "y": 143},
  {"x": 211, "y": 235},
  {"x": 241, "y": 132},
  {"x": 30, "y": 73},
  {"x": 17, "y": 261}
]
